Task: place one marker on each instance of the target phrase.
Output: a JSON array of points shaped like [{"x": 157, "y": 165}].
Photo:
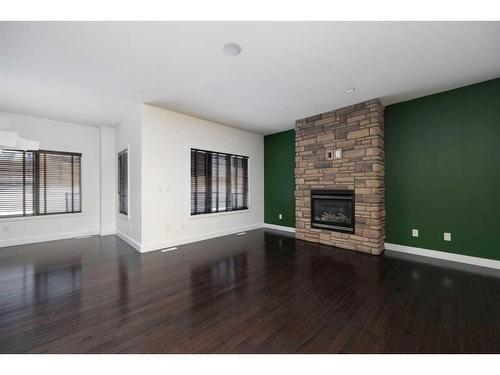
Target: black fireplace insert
[{"x": 333, "y": 210}]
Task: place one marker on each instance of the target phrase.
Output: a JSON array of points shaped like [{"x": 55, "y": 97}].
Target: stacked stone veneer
[{"x": 359, "y": 131}]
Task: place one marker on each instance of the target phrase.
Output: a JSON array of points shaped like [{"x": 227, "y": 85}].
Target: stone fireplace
[{"x": 339, "y": 178}]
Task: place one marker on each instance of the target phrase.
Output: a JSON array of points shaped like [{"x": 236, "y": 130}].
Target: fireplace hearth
[{"x": 333, "y": 210}]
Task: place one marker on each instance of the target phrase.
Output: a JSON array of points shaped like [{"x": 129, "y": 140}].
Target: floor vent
[{"x": 170, "y": 248}]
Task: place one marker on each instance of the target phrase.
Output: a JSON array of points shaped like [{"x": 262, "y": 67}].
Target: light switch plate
[
  {"x": 414, "y": 232},
  {"x": 337, "y": 153},
  {"x": 447, "y": 236}
]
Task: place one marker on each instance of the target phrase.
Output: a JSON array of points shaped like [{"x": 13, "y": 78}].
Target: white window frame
[{"x": 120, "y": 214}]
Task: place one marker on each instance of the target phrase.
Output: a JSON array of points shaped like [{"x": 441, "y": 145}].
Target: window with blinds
[
  {"x": 36, "y": 183},
  {"x": 123, "y": 182},
  {"x": 219, "y": 182}
]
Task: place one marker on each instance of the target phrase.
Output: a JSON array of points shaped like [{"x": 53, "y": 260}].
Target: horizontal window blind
[
  {"x": 36, "y": 183},
  {"x": 219, "y": 182},
  {"x": 16, "y": 183},
  {"x": 123, "y": 182}
]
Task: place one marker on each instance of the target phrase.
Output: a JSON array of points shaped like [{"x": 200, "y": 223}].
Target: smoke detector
[{"x": 231, "y": 49}]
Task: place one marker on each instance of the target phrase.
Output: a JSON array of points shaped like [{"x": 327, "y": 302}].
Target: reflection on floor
[{"x": 263, "y": 292}]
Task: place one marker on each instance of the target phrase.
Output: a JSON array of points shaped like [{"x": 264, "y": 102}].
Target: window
[
  {"x": 219, "y": 182},
  {"x": 34, "y": 183},
  {"x": 123, "y": 182}
]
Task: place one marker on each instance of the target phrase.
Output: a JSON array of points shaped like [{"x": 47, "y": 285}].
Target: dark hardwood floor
[{"x": 264, "y": 292}]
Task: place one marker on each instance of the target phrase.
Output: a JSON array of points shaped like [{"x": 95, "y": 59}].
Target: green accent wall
[
  {"x": 443, "y": 171},
  {"x": 279, "y": 178}
]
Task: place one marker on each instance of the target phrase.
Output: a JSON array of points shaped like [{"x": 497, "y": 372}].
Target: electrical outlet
[
  {"x": 447, "y": 236},
  {"x": 280, "y": 216},
  {"x": 414, "y": 232}
]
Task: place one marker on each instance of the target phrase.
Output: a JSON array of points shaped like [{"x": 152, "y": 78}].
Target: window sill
[
  {"x": 217, "y": 214},
  {"x": 40, "y": 217}
]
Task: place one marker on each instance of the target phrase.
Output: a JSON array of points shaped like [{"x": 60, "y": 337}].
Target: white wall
[
  {"x": 167, "y": 138},
  {"x": 128, "y": 135},
  {"x": 59, "y": 136},
  {"x": 108, "y": 180},
  {"x": 159, "y": 143}
]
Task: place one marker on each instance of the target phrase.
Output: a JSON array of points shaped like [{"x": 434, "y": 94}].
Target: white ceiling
[{"x": 91, "y": 72}]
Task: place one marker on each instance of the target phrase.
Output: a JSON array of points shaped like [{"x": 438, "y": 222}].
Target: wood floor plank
[{"x": 264, "y": 292}]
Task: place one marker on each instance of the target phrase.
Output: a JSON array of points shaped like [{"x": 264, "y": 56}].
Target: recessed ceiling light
[
  {"x": 231, "y": 49},
  {"x": 350, "y": 90},
  {"x": 288, "y": 110}
]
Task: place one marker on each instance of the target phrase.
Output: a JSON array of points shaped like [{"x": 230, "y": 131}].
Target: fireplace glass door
[{"x": 333, "y": 210}]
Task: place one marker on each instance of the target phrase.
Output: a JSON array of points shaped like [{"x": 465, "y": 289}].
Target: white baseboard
[
  {"x": 196, "y": 238},
  {"x": 279, "y": 227},
  {"x": 107, "y": 232},
  {"x": 483, "y": 262},
  {"x": 136, "y": 245},
  {"x": 45, "y": 237}
]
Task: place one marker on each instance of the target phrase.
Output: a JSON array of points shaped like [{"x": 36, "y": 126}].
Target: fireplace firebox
[{"x": 333, "y": 210}]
